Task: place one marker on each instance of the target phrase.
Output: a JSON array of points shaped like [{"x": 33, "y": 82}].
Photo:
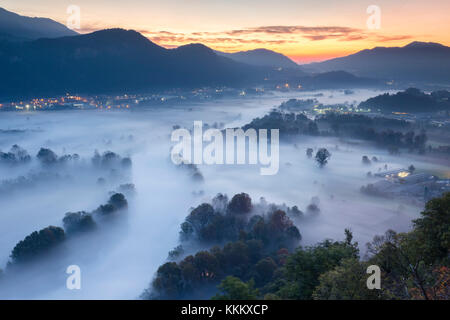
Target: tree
[
  {"x": 415, "y": 263},
  {"x": 366, "y": 160},
  {"x": 240, "y": 204},
  {"x": 78, "y": 222},
  {"x": 345, "y": 282},
  {"x": 168, "y": 283},
  {"x": 303, "y": 267},
  {"x": 126, "y": 163},
  {"x": 264, "y": 270},
  {"x": 322, "y": 156},
  {"x": 401, "y": 257},
  {"x": 47, "y": 156},
  {"x": 118, "y": 201},
  {"x": 36, "y": 243},
  {"x": 199, "y": 218},
  {"x": 439, "y": 288},
  {"x": 232, "y": 288},
  {"x": 433, "y": 228}
]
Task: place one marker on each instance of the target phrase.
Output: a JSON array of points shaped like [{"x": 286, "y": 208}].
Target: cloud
[
  {"x": 383, "y": 38},
  {"x": 310, "y": 33},
  {"x": 272, "y": 35},
  {"x": 263, "y": 36}
]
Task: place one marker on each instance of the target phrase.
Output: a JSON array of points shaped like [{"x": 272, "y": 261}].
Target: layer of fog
[{"x": 120, "y": 261}]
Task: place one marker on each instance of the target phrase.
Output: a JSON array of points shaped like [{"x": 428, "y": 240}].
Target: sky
[{"x": 304, "y": 30}]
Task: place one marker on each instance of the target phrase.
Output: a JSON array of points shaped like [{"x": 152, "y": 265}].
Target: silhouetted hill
[
  {"x": 410, "y": 100},
  {"x": 117, "y": 60},
  {"x": 336, "y": 79},
  {"x": 112, "y": 60},
  {"x": 197, "y": 60},
  {"x": 17, "y": 27},
  {"x": 417, "y": 61},
  {"x": 261, "y": 57}
]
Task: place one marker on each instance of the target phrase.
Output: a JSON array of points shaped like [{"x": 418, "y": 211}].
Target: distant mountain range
[
  {"x": 261, "y": 57},
  {"x": 113, "y": 60},
  {"x": 42, "y": 57},
  {"x": 117, "y": 60},
  {"x": 417, "y": 61},
  {"x": 16, "y": 27}
]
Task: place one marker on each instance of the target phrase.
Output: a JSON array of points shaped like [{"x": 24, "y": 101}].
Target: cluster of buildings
[
  {"x": 68, "y": 102},
  {"x": 125, "y": 101},
  {"x": 406, "y": 185}
]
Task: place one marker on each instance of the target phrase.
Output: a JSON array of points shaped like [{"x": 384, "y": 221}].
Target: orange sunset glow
[{"x": 303, "y": 30}]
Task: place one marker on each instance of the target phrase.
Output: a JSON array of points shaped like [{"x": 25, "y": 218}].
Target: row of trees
[
  {"x": 389, "y": 133},
  {"x": 47, "y": 157},
  {"x": 43, "y": 241},
  {"x": 16, "y": 155},
  {"x": 289, "y": 124}
]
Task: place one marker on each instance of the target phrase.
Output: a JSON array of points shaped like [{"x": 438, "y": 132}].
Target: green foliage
[
  {"x": 408, "y": 260},
  {"x": 264, "y": 271},
  {"x": 414, "y": 265},
  {"x": 199, "y": 274},
  {"x": 232, "y": 288},
  {"x": 303, "y": 267},
  {"x": 345, "y": 282},
  {"x": 433, "y": 228}
]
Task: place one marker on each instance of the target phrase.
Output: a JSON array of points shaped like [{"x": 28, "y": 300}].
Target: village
[{"x": 406, "y": 185}]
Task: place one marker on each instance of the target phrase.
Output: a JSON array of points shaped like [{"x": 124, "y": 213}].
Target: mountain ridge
[
  {"x": 417, "y": 61},
  {"x": 261, "y": 57},
  {"x": 112, "y": 60},
  {"x": 14, "y": 27}
]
